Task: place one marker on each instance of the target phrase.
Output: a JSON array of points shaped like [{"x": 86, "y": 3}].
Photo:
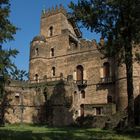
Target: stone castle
[{"x": 68, "y": 77}]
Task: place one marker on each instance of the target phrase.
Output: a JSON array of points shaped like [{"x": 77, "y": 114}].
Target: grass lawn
[{"x": 29, "y": 132}]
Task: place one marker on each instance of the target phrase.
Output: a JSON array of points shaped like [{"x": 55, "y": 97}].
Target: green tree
[
  {"x": 7, "y": 31},
  {"x": 118, "y": 21},
  {"x": 18, "y": 74}
]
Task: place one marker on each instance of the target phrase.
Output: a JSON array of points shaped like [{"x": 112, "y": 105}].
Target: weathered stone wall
[
  {"x": 69, "y": 52},
  {"x": 38, "y": 103}
]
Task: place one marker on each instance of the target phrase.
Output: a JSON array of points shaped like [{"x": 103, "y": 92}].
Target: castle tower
[
  {"x": 56, "y": 29},
  {"x": 38, "y": 51}
]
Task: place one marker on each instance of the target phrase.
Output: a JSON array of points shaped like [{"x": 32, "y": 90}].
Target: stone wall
[{"x": 38, "y": 103}]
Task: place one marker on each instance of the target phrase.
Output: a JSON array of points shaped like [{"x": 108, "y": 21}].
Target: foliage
[
  {"x": 7, "y": 30},
  {"x": 18, "y": 74},
  {"x": 114, "y": 19},
  {"x": 118, "y": 21},
  {"x": 137, "y": 57},
  {"x": 6, "y": 64}
]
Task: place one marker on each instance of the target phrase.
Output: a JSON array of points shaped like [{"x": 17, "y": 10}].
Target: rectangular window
[{"x": 99, "y": 111}]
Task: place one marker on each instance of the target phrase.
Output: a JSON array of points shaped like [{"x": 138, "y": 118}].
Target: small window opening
[
  {"x": 17, "y": 95},
  {"x": 45, "y": 95},
  {"x": 51, "y": 31},
  {"x": 53, "y": 71},
  {"x": 109, "y": 99},
  {"x": 52, "y": 51},
  {"x": 36, "y": 51},
  {"x": 14, "y": 110},
  {"x": 98, "y": 111},
  {"x": 36, "y": 77}
]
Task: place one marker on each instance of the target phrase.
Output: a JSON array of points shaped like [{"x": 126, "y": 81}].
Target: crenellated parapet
[
  {"x": 88, "y": 43},
  {"x": 54, "y": 10}
]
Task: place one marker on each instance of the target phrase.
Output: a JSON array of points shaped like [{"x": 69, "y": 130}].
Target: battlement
[
  {"x": 53, "y": 11},
  {"x": 88, "y": 43}
]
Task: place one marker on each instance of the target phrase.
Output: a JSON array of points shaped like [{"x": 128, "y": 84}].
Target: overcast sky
[{"x": 25, "y": 14}]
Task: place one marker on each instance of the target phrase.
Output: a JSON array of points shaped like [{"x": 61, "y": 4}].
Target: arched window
[
  {"x": 36, "y": 77},
  {"x": 52, "y": 52},
  {"x": 79, "y": 72},
  {"x": 51, "y": 31},
  {"x": 36, "y": 51},
  {"x": 53, "y": 71},
  {"x": 106, "y": 69}
]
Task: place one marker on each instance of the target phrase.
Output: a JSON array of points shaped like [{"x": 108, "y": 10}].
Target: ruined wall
[{"x": 38, "y": 103}]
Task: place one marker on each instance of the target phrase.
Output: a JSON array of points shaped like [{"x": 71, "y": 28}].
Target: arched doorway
[{"x": 79, "y": 71}]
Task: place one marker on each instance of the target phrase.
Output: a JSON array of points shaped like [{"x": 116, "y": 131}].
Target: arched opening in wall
[
  {"x": 51, "y": 31},
  {"x": 17, "y": 98},
  {"x": 36, "y": 77},
  {"x": 109, "y": 99},
  {"x": 53, "y": 71},
  {"x": 36, "y": 51},
  {"x": 106, "y": 69},
  {"x": 82, "y": 110},
  {"x": 79, "y": 73},
  {"x": 52, "y": 52},
  {"x": 82, "y": 94},
  {"x": 45, "y": 77},
  {"x": 74, "y": 96},
  {"x": 45, "y": 94}
]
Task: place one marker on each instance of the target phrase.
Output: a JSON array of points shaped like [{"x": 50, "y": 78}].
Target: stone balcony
[
  {"x": 81, "y": 84},
  {"x": 106, "y": 80}
]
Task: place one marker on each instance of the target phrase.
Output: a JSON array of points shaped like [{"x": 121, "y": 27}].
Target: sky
[{"x": 25, "y": 14}]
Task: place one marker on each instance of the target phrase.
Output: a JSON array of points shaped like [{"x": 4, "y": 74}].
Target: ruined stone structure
[{"x": 68, "y": 77}]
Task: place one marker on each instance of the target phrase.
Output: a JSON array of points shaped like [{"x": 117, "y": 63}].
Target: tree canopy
[
  {"x": 7, "y": 32},
  {"x": 118, "y": 22}
]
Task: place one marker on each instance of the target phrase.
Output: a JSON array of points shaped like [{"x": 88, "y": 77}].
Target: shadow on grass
[
  {"x": 50, "y": 135},
  {"x": 132, "y": 133},
  {"x": 67, "y": 133}
]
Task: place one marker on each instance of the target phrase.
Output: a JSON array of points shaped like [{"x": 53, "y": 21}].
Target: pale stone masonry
[{"x": 68, "y": 77}]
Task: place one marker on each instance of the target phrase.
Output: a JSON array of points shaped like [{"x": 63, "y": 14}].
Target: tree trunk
[{"x": 129, "y": 74}]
